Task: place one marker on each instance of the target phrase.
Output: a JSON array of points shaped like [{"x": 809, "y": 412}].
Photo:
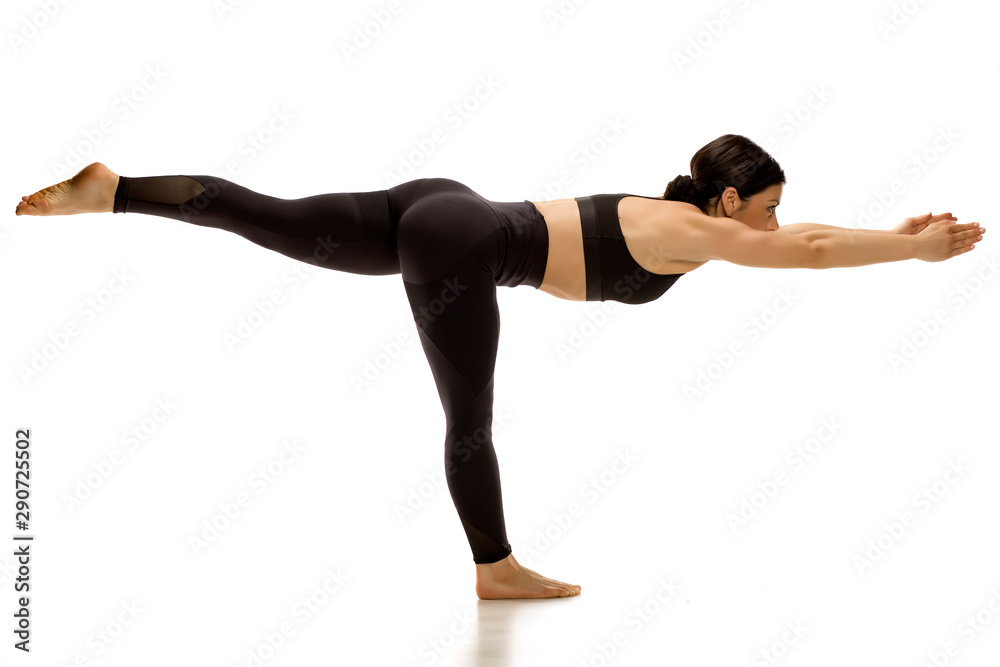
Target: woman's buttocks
[
  {"x": 442, "y": 228},
  {"x": 443, "y": 225},
  {"x": 403, "y": 196}
]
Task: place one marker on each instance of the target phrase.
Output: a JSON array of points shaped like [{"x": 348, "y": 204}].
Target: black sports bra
[{"x": 612, "y": 273}]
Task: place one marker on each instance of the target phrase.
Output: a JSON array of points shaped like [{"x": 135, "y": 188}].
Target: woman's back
[{"x": 646, "y": 224}]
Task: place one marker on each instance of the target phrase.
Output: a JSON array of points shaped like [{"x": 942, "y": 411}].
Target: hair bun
[{"x": 680, "y": 189}]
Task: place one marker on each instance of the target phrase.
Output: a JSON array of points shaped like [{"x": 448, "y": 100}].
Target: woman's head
[{"x": 735, "y": 177}]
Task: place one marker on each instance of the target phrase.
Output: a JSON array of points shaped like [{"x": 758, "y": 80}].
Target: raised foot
[
  {"x": 507, "y": 579},
  {"x": 92, "y": 190}
]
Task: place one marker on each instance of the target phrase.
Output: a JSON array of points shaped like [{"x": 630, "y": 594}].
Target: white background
[{"x": 844, "y": 104}]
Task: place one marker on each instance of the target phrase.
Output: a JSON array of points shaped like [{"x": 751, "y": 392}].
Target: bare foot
[
  {"x": 90, "y": 191},
  {"x": 509, "y": 579}
]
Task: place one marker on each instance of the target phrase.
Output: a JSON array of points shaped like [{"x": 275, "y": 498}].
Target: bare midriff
[{"x": 646, "y": 226}]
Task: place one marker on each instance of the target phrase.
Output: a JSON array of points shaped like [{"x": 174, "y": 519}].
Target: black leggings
[{"x": 452, "y": 248}]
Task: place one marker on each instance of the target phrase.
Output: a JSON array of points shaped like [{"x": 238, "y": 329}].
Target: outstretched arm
[
  {"x": 936, "y": 242},
  {"x": 800, "y": 227},
  {"x": 698, "y": 237},
  {"x": 909, "y": 226}
]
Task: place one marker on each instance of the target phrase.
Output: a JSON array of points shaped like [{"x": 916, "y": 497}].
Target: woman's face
[{"x": 759, "y": 212}]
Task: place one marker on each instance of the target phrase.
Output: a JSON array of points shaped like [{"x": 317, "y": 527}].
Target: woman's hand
[
  {"x": 917, "y": 224},
  {"x": 939, "y": 240}
]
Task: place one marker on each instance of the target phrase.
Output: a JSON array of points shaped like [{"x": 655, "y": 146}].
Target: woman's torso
[{"x": 645, "y": 225}]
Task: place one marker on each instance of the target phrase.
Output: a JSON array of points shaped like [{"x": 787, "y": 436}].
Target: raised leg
[
  {"x": 351, "y": 232},
  {"x": 342, "y": 231}
]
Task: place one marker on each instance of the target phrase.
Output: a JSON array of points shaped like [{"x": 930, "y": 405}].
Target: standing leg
[
  {"x": 448, "y": 245},
  {"x": 451, "y": 248}
]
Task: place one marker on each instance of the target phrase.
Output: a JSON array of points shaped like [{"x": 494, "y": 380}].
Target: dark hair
[{"x": 730, "y": 160}]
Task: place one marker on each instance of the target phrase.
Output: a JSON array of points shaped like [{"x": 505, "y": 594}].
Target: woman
[{"x": 453, "y": 248}]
